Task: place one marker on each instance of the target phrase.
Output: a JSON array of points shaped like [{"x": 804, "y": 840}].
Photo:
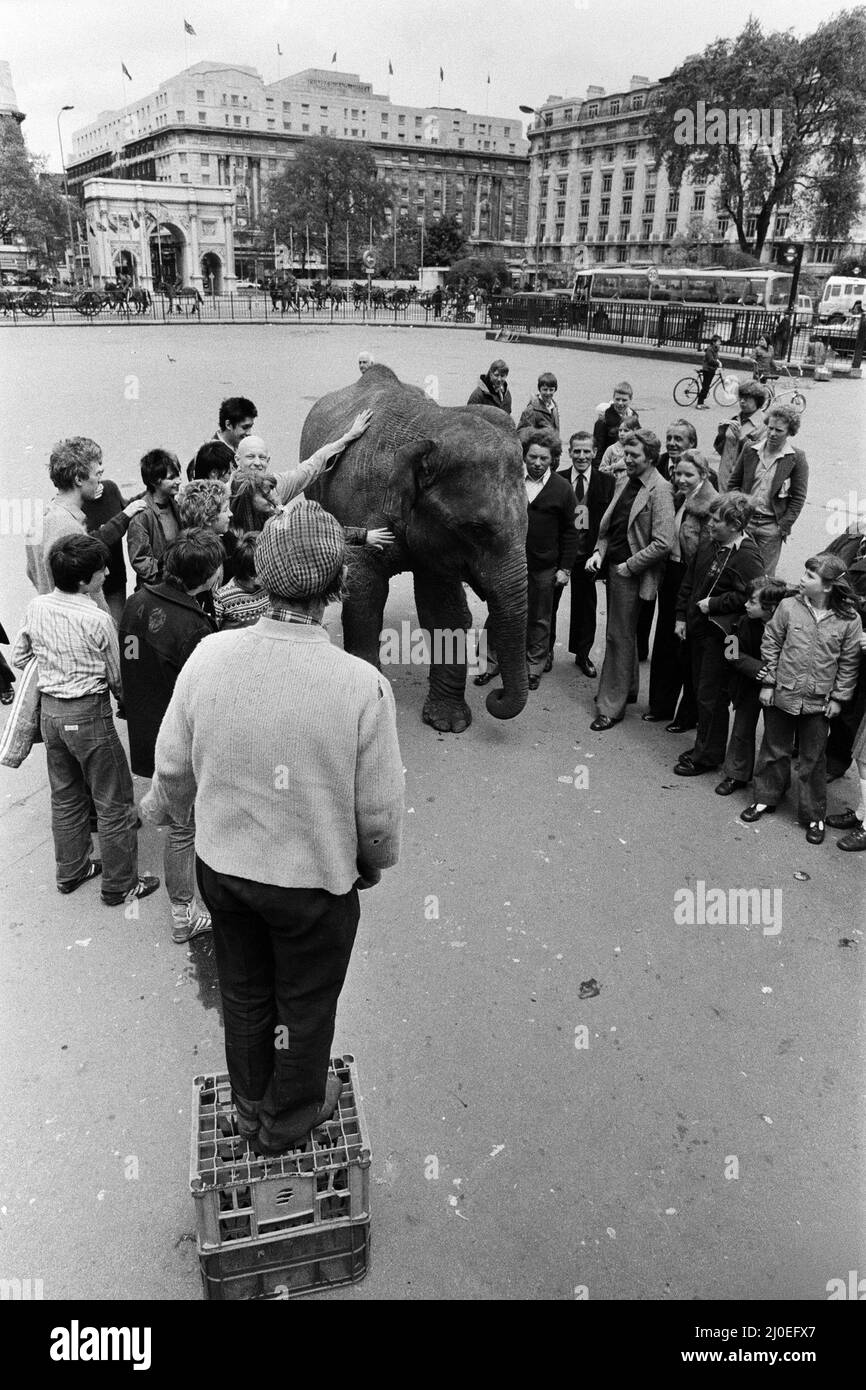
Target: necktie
[{"x": 581, "y": 487}]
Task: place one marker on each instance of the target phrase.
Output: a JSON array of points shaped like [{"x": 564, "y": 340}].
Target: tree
[
  {"x": 444, "y": 241},
  {"x": 29, "y": 205},
  {"x": 784, "y": 118},
  {"x": 329, "y": 184},
  {"x": 478, "y": 271},
  {"x": 408, "y": 250}
]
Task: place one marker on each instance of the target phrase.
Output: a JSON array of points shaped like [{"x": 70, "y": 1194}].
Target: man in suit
[
  {"x": 634, "y": 540},
  {"x": 592, "y": 491},
  {"x": 775, "y": 476},
  {"x": 551, "y": 547}
]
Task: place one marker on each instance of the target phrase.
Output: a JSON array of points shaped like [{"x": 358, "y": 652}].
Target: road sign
[
  {"x": 652, "y": 274},
  {"x": 369, "y": 262}
]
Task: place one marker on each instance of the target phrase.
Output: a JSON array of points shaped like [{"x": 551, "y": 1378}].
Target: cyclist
[
  {"x": 711, "y": 363},
  {"x": 763, "y": 361}
]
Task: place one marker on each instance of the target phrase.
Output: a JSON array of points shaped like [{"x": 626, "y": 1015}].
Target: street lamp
[
  {"x": 547, "y": 120},
  {"x": 66, "y": 187}
]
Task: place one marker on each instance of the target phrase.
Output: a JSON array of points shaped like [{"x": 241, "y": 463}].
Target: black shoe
[
  {"x": 485, "y": 678},
  {"x": 752, "y": 813},
  {"x": 846, "y": 820},
  {"x": 729, "y": 785},
  {"x": 686, "y": 768},
  {"x": 586, "y": 666},
  {"x": 548, "y": 665},
  {"x": 856, "y": 840},
  {"x": 601, "y": 723},
  {"x": 534, "y": 682},
  {"x": 815, "y": 833},
  {"x": 650, "y": 718},
  {"x": 93, "y": 870},
  {"x": 146, "y": 885},
  {"x": 679, "y": 728}
]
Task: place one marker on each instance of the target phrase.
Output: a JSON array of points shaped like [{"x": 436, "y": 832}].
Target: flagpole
[
  {"x": 327, "y": 255},
  {"x": 347, "y": 251},
  {"x": 394, "y": 214}
]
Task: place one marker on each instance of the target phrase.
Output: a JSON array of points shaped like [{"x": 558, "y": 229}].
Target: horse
[
  {"x": 141, "y": 299},
  {"x": 188, "y": 292}
]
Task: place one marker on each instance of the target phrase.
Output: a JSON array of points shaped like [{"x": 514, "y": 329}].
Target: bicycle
[
  {"x": 724, "y": 389},
  {"x": 790, "y": 395}
]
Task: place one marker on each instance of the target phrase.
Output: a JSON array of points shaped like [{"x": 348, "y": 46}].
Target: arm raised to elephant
[{"x": 294, "y": 480}]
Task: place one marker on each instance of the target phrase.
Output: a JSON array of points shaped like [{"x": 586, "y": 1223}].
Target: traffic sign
[
  {"x": 369, "y": 262},
  {"x": 652, "y": 274}
]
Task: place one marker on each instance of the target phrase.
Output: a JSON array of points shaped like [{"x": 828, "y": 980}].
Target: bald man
[
  {"x": 252, "y": 452},
  {"x": 365, "y": 361}
]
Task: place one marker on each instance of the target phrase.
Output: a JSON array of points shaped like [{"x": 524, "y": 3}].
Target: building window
[
  {"x": 604, "y": 210},
  {"x": 199, "y": 96},
  {"x": 560, "y": 209},
  {"x": 561, "y": 186},
  {"x": 287, "y": 106},
  {"x": 608, "y": 155},
  {"x": 581, "y": 231},
  {"x": 202, "y": 118},
  {"x": 781, "y": 223},
  {"x": 237, "y": 120},
  {"x": 287, "y": 125},
  {"x": 631, "y": 151},
  {"x": 586, "y": 183},
  {"x": 637, "y": 102},
  {"x": 646, "y": 230},
  {"x": 184, "y": 178},
  {"x": 584, "y": 207},
  {"x": 606, "y": 182},
  {"x": 592, "y": 111},
  {"x": 613, "y": 108},
  {"x": 671, "y": 228},
  {"x": 205, "y": 178},
  {"x": 651, "y": 179},
  {"x": 628, "y": 180},
  {"x": 181, "y": 115},
  {"x": 586, "y": 157},
  {"x": 700, "y": 176},
  {"x": 559, "y": 231},
  {"x": 235, "y": 101},
  {"x": 566, "y": 115},
  {"x": 722, "y": 225},
  {"x": 649, "y": 203},
  {"x": 626, "y": 207},
  {"x": 624, "y": 228},
  {"x": 272, "y": 125},
  {"x": 751, "y": 226},
  {"x": 674, "y": 200},
  {"x": 305, "y": 127},
  {"x": 699, "y": 201},
  {"x": 204, "y": 159},
  {"x": 182, "y": 158}
]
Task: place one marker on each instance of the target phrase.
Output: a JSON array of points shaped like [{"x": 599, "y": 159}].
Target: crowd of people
[{"x": 273, "y": 825}]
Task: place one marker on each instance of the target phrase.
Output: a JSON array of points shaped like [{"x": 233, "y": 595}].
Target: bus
[{"x": 765, "y": 290}]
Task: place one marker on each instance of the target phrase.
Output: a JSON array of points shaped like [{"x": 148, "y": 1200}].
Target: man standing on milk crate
[{"x": 285, "y": 748}]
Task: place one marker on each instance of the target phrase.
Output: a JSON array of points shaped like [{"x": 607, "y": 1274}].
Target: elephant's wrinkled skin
[{"x": 449, "y": 483}]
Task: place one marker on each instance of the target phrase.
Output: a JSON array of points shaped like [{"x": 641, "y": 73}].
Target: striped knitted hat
[{"x": 301, "y": 553}]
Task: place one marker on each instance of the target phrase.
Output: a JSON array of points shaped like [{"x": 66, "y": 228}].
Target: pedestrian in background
[
  {"x": 710, "y": 364},
  {"x": 492, "y": 388},
  {"x": 747, "y": 427},
  {"x": 542, "y": 413}
]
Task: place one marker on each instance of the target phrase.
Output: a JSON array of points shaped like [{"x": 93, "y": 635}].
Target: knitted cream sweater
[{"x": 287, "y": 747}]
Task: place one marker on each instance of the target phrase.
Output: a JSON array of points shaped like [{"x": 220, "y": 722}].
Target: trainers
[
  {"x": 146, "y": 885},
  {"x": 187, "y": 923}
]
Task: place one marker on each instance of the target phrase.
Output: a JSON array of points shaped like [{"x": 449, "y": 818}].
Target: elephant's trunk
[{"x": 505, "y": 592}]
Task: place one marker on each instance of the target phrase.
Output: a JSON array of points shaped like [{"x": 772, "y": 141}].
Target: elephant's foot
[{"x": 449, "y": 716}]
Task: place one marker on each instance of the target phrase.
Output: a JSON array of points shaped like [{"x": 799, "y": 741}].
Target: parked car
[
  {"x": 246, "y": 287},
  {"x": 843, "y": 294}
]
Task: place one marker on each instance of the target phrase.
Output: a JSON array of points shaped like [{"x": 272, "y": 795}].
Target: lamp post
[
  {"x": 547, "y": 120},
  {"x": 66, "y": 188}
]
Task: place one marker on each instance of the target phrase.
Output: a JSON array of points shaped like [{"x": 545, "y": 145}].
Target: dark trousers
[
  {"x": 644, "y": 627},
  {"x": 773, "y": 768},
  {"x": 710, "y": 676},
  {"x": 706, "y": 375},
  {"x": 843, "y": 729},
  {"x": 85, "y": 759},
  {"x": 667, "y": 666},
  {"x": 539, "y": 613},
  {"x": 584, "y": 608},
  {"x": 282, "y": 956},
  {"x": 740, "y": 757},
  {"x": 620, "y": 674}
]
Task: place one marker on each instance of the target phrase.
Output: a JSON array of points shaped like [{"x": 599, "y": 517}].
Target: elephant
[{"x": 448, "y": 481}]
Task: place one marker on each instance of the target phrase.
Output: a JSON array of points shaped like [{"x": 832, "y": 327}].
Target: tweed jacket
[{"x": 650, "y": 530}]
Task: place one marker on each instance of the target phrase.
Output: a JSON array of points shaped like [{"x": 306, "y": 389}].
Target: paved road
[{"x": 706, "y": 1141}]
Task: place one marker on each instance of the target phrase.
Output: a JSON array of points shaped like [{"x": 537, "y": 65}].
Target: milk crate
[
  {"x": 283, "y": 1267},
  {"x": 241, "y": 1197}
]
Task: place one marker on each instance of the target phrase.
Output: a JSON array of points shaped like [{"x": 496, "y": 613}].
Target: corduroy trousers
[{"x": 282, "y": 956}]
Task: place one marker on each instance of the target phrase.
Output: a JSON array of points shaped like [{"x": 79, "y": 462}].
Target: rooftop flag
[
  {"x": 189, "y": 29},
  {"x": 279, "y": 50},
  {"x": 126, "y": 71},
  {"x": 390, "y": 69},
  {"x": 441, "y": 75},
  {"x": 334, "y": 59}
]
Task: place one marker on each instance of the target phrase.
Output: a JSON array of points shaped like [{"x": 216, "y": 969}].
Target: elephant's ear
[{"x": 409, "y": 472}]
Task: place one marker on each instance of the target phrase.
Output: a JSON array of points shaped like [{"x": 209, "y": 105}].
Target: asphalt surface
[{"x": 691, "y": 1131}]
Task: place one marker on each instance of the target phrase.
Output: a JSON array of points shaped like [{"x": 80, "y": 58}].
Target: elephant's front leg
[
  {"x": 365, "y": 604},
  {"x": 444, "y": 613}
]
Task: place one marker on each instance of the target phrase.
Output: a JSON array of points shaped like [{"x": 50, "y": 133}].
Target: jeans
[
  {"x": 85, "y": 758},
  {"x": 179, "y": 862},
  {"x": 282, "y": 956},
  {"x": 773, "y": 768},
  {"x": 768, "y": 539}
]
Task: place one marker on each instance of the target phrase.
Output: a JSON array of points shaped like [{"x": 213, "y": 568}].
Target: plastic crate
[
  {"x": 242, "y": 1197},
  {"x": 287, "y": 1266}
]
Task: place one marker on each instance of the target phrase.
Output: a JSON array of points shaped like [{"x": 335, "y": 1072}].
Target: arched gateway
[{"x": 160, "y": 233}]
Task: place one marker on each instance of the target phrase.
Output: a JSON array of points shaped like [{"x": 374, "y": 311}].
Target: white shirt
[{"x": 533, "y": 488}]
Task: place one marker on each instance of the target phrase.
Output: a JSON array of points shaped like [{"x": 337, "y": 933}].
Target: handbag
[{"x": 22, "y": 727}]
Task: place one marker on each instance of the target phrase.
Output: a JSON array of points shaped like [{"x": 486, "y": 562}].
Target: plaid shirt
[
  {"x": 74, "y": 643},
  {"x": 287, "y": 615}
]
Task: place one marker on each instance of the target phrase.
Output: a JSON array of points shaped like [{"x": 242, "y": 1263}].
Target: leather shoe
[
  {"x": 686, "y": 768},
  {"x": 846, "y": 820},
  {"x": 679, "y": 728},
  {"x": 650, "y": 718},
  {"x": 729, "y": 785},
  {"x": 485, "y": 678},
  {"x": 856, "y": 840},
  {"x": 534, "y": 682},
  {"x": 548, "y": 665},
  {"x": 752, "y": 813},
  {"x": 586, "y": 666},
  {"x": 815, "y": 833},
  {"x": 601, "y": 723}
]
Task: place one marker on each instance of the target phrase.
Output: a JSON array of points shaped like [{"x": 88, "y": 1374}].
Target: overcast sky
[{"x": 71, "y": 50}]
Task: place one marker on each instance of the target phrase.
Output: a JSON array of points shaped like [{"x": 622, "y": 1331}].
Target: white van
[{"x": 843, "y": 294}]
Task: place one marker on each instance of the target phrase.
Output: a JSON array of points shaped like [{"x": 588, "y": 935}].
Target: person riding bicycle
[
  {"x": 711, "y": 363},
  {"x": 763, "y": 361}
]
